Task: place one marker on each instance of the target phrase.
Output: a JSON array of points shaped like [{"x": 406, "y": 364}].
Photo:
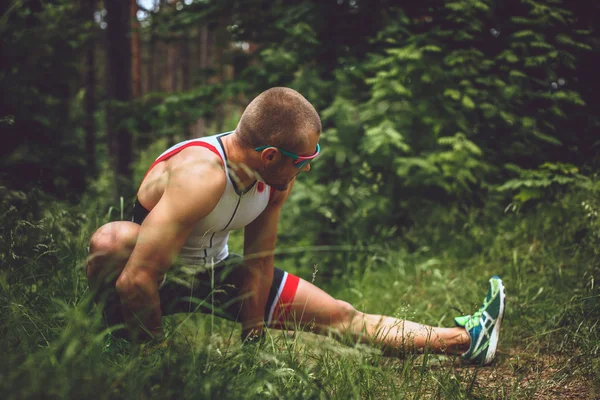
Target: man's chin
[{"x": 280, "y": 187}]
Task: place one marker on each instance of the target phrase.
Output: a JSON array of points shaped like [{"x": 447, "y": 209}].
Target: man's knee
[
  {"x": 102, "y": 241},
  {"x": 110, "y": 248},
  {"x": 114, "y": 237}
]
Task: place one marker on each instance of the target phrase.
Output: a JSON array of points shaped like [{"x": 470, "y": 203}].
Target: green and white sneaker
[{"x": 484, "y": 326}]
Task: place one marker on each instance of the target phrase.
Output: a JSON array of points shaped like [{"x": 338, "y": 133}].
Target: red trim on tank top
[{"x": 171, "y": 153}]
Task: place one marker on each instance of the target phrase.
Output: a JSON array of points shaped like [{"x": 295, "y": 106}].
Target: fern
[{"x": 534, "y": 184}]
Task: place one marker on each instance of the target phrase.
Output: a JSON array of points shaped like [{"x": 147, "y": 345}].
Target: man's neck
[{"x": 238, "y": 162}]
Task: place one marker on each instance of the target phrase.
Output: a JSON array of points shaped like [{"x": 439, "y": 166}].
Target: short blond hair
[{"x": 279, "y": 117}]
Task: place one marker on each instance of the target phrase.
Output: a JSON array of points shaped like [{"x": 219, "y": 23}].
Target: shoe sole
[{"x": 491, "y": 352}]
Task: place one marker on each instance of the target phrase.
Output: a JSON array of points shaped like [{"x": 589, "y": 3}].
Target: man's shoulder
[
  {"x": 197, "y": 167},
  {"x": 197, "y": 159},
  {"x": 195, "y": 184}
]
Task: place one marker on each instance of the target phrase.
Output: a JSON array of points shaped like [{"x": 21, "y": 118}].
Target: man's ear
[{"x": 270, "y": 155}]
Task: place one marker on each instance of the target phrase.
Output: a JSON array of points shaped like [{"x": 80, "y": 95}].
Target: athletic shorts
[{"x": 213, "y": 289}]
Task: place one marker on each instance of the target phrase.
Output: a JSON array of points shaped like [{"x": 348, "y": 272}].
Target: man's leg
[
  {"x": 110, "y": 248},
  {"x": 314, "y": 310}
]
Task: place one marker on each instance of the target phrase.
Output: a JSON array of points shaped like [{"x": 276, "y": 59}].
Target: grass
[{"x": 53, "y": 343}]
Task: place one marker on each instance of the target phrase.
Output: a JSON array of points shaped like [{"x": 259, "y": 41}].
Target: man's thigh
[
  {"x": 212, "y": 290},
  {"x": 217, "y": 291}
]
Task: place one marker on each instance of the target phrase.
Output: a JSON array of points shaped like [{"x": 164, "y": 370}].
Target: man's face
[{"x": 281, "y": 173}]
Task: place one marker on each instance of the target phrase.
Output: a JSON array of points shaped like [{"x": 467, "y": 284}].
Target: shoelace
[{"x": 477, "y": 314}]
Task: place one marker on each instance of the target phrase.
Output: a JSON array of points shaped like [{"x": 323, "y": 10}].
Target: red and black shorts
[{"x": 214, "y": 289}]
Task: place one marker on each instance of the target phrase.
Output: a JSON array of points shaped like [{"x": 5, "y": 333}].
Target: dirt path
[{"x": 520, "y": 374}]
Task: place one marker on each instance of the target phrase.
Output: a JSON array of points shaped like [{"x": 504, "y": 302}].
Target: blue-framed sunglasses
[{"x": 299, "y": 161}]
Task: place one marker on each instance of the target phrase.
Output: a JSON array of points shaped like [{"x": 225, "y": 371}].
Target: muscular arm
[
  {"x": 260, "y": 238},
  {"x": 192, "y": 190}
]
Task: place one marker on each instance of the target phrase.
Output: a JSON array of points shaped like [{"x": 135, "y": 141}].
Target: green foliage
[
  {"x": 436, "y": 100},
  {"x": 170, "y": 114},
  {"x": 454, "y": 170},
  {"x": 40, "y": 44},
  {"x": 441, "y": 114},
  {"x": 542, "y": 182},
  {"x": 53, "y": 341}
]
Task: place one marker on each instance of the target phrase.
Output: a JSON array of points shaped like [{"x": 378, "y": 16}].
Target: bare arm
[
  {"x": 194, "y": 186},
  {"x": 260, "y": 238}
]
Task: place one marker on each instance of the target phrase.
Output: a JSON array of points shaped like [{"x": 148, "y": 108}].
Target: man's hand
[
  {"x": 255, "y": 285},
  {"x": 260, "y": 238}
]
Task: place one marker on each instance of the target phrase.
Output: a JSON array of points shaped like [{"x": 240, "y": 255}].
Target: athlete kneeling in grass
[{"x": 195, "y": 194}]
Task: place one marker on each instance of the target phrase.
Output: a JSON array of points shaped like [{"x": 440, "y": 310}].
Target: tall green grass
[{"x": 52, "y": 340}]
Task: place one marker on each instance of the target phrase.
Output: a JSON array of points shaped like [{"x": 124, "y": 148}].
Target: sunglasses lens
[{"x": 302, "y": 163}]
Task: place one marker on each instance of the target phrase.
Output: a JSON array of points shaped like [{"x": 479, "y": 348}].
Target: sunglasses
[{"x": 299, "y": 161}]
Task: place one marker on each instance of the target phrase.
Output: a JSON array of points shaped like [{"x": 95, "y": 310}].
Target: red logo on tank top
[{"x": 261, "y": 187}]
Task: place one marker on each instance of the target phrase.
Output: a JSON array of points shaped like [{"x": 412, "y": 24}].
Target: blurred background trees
[{"x": 429, "y": 109}]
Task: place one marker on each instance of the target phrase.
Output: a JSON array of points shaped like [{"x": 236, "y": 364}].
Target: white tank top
[{"x": 208, "y": 241}]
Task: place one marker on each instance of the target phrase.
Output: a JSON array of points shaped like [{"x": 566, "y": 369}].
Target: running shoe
[{"x": 484, "y": 326}]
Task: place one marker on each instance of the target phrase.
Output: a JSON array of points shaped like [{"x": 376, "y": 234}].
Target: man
[{"x": 196, "y": 193}]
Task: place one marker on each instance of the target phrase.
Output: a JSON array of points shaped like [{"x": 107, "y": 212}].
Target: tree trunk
[
  {"x": 185, "y": 63},
  {"x": 119, "y": 93},
  {"x": 204, "y": 47},
  {"x": 198, "y": 129},
  {"x": 136, "y": 63},
  {"x": 173, "y": 65},
  {"x": 90, "y": 95},
  {"x": 185, "y": 74},
  {"x": 220, "y": 41},
  {"x": 151, "y": 60},
  {"x": 90, "y": 109},
  {"x": 172, "y": 68}
]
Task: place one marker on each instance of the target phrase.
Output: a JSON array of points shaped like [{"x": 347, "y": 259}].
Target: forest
[{"x": 461, "y": 140}]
